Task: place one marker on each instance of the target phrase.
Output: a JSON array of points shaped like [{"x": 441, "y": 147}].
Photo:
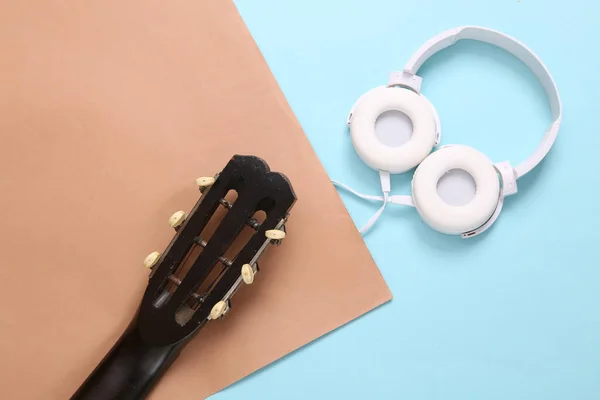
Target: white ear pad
[
  {"x": 446, "y": 218},
  {"x": 380, "y": 156}
]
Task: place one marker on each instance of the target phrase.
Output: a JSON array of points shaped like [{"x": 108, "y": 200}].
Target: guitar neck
[{"x": 130, "y": 369}]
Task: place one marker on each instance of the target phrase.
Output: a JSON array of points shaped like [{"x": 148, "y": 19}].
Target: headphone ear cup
[
  {"x": 436, "y": 118},
  {"x": 380, "y": 156},
  {"x": 446, "y": 218}
]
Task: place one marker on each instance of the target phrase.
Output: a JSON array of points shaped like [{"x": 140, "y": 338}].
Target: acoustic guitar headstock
[{"x": 193, "y": 280}]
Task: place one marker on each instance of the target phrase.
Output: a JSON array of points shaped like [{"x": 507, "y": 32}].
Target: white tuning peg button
[
  {"x": 218, "y": 309},
  {"x": 151, "y": 259},
  {"x": 275, "y": 234},
  {"x": 177, "y": 219},
  {"x": 247, "y": 274},
  {"x": 205, "y": 181}
]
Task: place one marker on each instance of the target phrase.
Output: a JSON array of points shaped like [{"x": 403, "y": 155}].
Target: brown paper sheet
[{"x": 108, "y": 112}]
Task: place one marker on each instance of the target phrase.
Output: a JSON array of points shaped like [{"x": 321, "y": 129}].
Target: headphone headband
[{"x": 519, "y": 50}]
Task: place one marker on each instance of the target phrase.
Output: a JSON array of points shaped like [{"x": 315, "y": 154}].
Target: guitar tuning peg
[
  {"x": 219, "y": 309},
  {"x": 151, "y": 259},
  {"x": 177, "y": 219},
  {"x": 205, "y": 181},
  {"x": 275, "y": 234},
  {"x": 248, "y": 274}
]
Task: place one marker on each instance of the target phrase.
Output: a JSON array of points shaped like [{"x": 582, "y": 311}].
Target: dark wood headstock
[
  {"x": 193, "y": 280},
  {"x": 174, "y": 307}
]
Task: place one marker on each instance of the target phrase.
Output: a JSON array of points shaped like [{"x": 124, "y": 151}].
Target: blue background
[{"x": 512, "y": 314}]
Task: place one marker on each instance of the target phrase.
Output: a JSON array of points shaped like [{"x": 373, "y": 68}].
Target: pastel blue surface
[{"x": 513, "y": 314}]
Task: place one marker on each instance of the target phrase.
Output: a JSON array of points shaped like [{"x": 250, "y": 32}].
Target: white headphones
[{"x": 493, "y": 181}]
